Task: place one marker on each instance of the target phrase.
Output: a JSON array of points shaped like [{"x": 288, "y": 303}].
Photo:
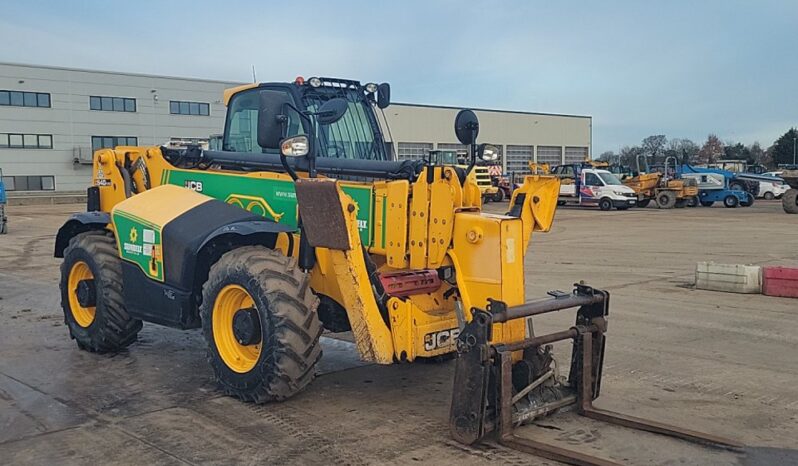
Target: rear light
[{"x": 403, "y": 284}]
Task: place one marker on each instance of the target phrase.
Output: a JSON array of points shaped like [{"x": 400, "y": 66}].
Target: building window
[
  {"x": 182, "y": 143},
  {"x": 109, "y": 142},
  {"x": 25, "y": 99},
  {"x": 29, "y": 183},
  {"x": 518, "y": 158},
  {"x": 413, "y": 150},
  {"x": 26, "y": 141},
  {"x": 177, "y": 107},
  {"x": 112, "y": 104},
  {"x": 575, "y": 154}
]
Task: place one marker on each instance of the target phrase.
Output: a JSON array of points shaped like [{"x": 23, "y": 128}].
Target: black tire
[
  {"x": 286, "y": 316},
  {"x": 644, "y": 203},
  {"x": 111, "y": 328},
  {"x": 790, "y": 201},
  {"x": 605, "y": 204},
  {"x": 681, "y": 203},
  {"x": 749, "y": 202},
  {"x": 707, "y": 203},
  {"x": 666, "y": 199},
  {"x": 730, "y": 201},
  {"x": 737, "y": 186},
  {"x": 498, "y": 196},
  {"x": 692, "y": 201},
  {"x": 769, "y": 196}
]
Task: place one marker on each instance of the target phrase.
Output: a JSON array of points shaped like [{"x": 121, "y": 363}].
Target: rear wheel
[
  {"x": 91, "y": 294},
  {"x": 666, "y": 199},
  {"x": 498, "y": 196},
  {"x": 260, "y": 321},
  {"x": 790, "y": 201},
  {"x": 730, "y": 201},
  {"x": 643, "y": 203},
  {"x": 748, "y": 202},
  {"x": 707, "y": 203},
  {"x": 692, "y": 201},
  {"x": 605, "y": 204}
]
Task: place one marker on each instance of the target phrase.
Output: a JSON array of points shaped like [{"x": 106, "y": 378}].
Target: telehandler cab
[{"x": 301, "y": 223}]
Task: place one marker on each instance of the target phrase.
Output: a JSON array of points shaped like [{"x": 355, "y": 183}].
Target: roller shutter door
[
  {"x": 550, "y": 154},
  {"x": 413, "y": 150},
  {"x": 575, "y": 154},
  {"x": 518, "y": 158}
]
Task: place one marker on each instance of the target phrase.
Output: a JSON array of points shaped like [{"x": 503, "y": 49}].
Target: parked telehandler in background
[{"x": 262, "y": 247}]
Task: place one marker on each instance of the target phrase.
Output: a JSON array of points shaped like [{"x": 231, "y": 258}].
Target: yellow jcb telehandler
[{"x": 263, "y": 245}]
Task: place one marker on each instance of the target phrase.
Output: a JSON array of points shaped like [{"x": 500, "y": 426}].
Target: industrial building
[
  {"x": 520, "y": 136},
  {"x": 52, "y": 119}
]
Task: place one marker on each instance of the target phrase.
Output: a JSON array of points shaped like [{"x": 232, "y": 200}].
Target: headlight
[
  {"x": 314, "y": 82},
  {"x": 371, "y": 88}
]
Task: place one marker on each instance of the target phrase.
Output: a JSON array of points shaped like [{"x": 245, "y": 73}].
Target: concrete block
[
  {"x": 780, "y": 281},
  {"x": 731, "y": 278}
]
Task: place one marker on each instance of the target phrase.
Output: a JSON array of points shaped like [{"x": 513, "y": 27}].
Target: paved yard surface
[{"x": 722, "y": 363}]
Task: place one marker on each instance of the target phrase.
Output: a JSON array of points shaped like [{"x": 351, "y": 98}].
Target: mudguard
[{"x": 79, "y": 223}]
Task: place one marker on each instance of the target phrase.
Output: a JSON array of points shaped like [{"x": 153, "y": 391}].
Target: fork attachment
[{"x": 496, "y": 389}]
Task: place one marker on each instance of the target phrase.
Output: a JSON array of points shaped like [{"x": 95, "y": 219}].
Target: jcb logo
[
  {"x": 193, "y": 185},
  {"x": 442, "y": 339}
]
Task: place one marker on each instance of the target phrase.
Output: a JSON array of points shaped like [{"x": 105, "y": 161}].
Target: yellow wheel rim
[
  {"x": 239, "y": 358},
  {"x": 84, "y": 316}
]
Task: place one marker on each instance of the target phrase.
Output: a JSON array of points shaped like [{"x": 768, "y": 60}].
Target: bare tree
[
  {"x": 653, "y": 146},
  {"x": 684, "y": 150},
  {"x": 608, "y": 156},
  {"x": 712, "y": 150}
]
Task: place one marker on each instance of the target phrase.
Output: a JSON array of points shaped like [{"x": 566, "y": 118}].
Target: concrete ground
[{"x": 721, "y": 363}]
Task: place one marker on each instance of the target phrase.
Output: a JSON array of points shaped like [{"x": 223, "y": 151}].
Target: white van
[{"x": 594, "y": 187}]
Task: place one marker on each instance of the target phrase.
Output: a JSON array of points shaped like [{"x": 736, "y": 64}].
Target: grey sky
[{"x": 683, "y": 69}]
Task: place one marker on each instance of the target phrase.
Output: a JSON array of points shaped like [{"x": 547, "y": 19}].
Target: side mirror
[
  {"x": 466, "y": 127},
  {"x": 271, "y": 119},
  {"x": 332, "y": 111},
  {"x": 488, "y": 152},
  {"x": 297, "y": 146},
  {"x": 383, "y": 95}
]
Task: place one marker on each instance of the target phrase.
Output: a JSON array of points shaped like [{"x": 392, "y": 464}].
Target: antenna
[{"x": 254, "y": 78}]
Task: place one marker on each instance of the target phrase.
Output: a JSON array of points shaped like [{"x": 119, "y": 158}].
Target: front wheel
[
  {"x": 498, "y": 196},
  {"x": 643, "y": 203},
  {"x": 260, "y": 322},
  {"x": 605, "y": 204},
  {"x": 707, "y": 203},
  {"x": 747, "y": 203},
  {"x": 91, "y": 294},
  {"x": 692, "y": 201},
  {"x": 730, "y": 201},
  {"x": 666, "y": 199}
]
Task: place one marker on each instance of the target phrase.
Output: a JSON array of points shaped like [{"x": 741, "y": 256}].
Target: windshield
[
  {"x": 356, "y": 135},
  {"x": 609, "y": 179}
]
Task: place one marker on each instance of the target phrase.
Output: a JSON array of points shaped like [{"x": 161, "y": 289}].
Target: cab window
[
  {"x": 241, "y": 133},
  {"x": 591, "y": 179}
]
